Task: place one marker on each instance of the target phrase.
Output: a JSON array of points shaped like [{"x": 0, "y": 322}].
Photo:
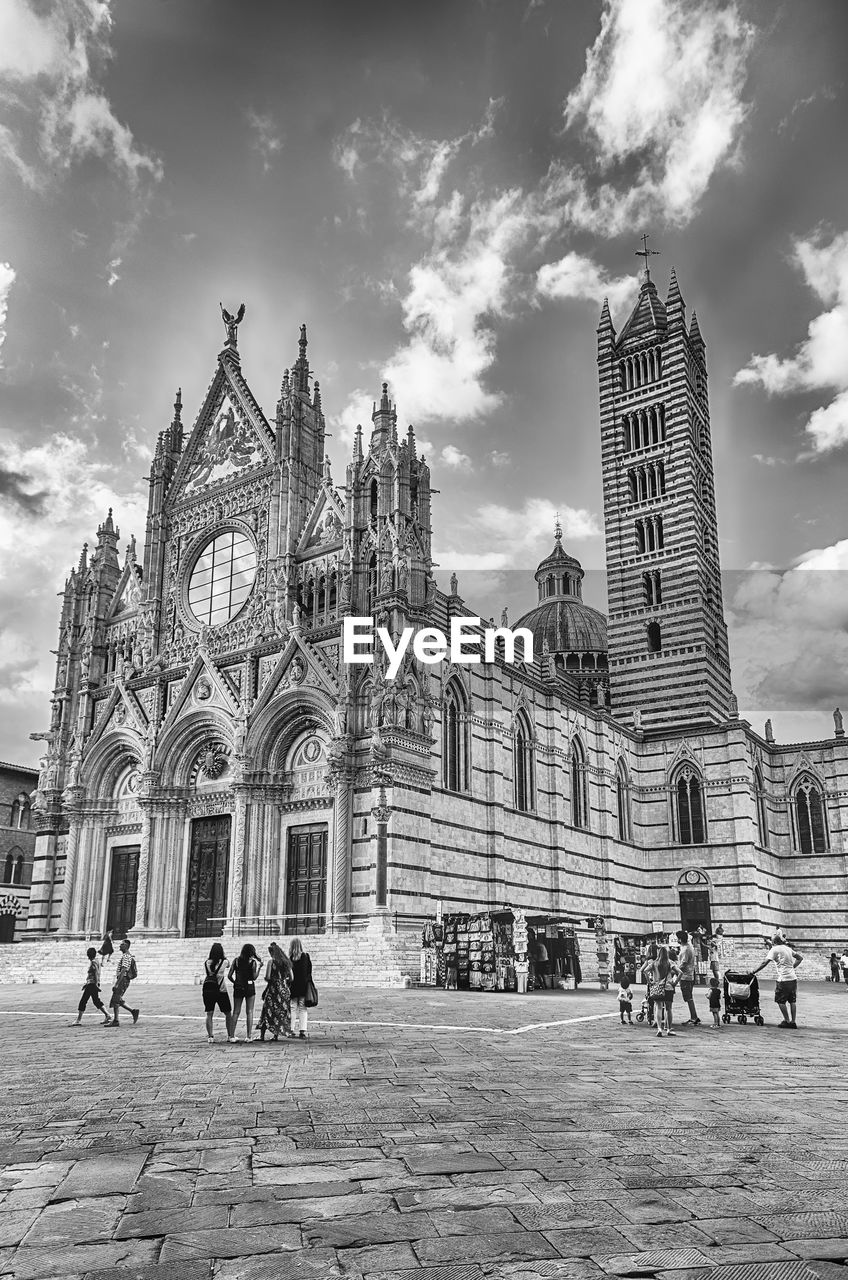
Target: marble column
[
  {"x": 237, "y": 852},
  {"x": 381, "y": 812},
  {"x": 143, "y": 881},
  {"x": 342, "y": 815},
  {"x": 72, "y": 800}
]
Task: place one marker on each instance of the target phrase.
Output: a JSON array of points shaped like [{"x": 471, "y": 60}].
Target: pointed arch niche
[{"x": 456, "y": 770}]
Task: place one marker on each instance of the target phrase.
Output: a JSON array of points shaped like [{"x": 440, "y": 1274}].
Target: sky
[{"x": 443, "y": 193}]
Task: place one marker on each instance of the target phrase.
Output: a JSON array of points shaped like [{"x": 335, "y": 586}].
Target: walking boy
[
  {"x": 786, "y": 960},
  {"x": 91, "y": 989},
  {"x": 127, "y": 971},
  {"x": 715, "y": 1003}
]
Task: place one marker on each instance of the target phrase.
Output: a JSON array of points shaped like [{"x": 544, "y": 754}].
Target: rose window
[{"x": 222, "y": 578}]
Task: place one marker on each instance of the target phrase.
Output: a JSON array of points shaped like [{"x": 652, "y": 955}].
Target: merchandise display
[{"x": 500, "y": 951}]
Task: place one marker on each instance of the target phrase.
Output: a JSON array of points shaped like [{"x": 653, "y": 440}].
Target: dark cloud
[{"x": 13, "y": 489}]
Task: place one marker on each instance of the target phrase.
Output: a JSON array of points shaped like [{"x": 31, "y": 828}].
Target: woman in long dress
[{"x": 276, "y": 1002}]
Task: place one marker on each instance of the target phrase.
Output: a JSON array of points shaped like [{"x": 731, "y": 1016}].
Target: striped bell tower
[{"x": 668, "y": 654}]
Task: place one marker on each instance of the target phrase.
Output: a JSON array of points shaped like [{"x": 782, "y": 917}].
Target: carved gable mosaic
[{"x": 228, "y": 448}]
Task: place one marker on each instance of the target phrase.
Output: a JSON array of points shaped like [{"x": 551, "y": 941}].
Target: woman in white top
[{"x": 214, "y": 989}]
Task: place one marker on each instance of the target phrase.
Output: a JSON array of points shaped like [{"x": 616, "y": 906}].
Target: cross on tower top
[{"x": 647, "y": 253}]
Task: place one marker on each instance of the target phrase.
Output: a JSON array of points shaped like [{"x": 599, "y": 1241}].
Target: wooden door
[
  {"x": 123, "y": 887},
  {"x": 208, "y": 868},
  {"x": 7, "y": 927},
  {"x": 306, "y": 879},
  {"x": 695, "y": 910}
]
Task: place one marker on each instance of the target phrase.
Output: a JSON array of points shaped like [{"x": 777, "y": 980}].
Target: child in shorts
[
  {"x": 625, "y": 1000},
  {"x": 715, "y": 1003}
]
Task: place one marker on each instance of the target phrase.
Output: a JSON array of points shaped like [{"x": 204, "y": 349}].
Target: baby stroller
[{"x": 741, "y": 998}]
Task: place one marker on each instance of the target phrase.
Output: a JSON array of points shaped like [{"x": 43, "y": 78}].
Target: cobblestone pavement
[{"x": 422, "y": 1135}]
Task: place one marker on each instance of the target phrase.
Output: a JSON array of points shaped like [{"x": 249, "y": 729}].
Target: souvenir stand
[{"x": 494, "y": 951}]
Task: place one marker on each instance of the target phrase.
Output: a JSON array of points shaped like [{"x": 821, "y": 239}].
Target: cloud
[
  {"x": 820, "y": 362},
  {"x": 7, "y": 279},
  {"x": 51, "y": 58},
  {"x": 661, "y": 105},
  {"x": 515, "y": 537},
  {"x": 454, "y": 458},
  {"x": 266, "y": 137},
  {"x": 789, "y": 635},
  {"x": 500, "y": 458},
  {"x": 576, "y": 276},
  {"x": 14, "y": 489},
  {"x": 114, "y": 277}
]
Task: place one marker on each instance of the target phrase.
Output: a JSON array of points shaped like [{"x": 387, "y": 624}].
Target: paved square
[{"x": 422, "y": 1135}]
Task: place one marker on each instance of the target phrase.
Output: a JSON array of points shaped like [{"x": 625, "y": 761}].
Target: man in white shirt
[
  {"x": 686, "y": 965},
  {"x": 843, "y": 964},
  {"x": 786, "y": 960}
]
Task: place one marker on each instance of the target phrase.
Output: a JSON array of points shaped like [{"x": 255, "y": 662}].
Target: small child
[
  {"x": 625, "y": 1000},
  {"x": 715, "y": 1003},
  {"x": 91, "y": 989}
]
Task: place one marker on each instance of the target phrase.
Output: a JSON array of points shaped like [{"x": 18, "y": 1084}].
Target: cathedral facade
[{"x": 211, "y": 762}]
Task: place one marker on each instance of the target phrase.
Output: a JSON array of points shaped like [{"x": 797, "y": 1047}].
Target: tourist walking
[
  {"x": 843, "y": 964},
  {"x": 302, "y": 986},
  {"x": 665, "y": 977},
  {"x": 276, "y": 1000},
  {"x": 243, "y": 974},
  {"x": 715, "y": 1003},
  {"x": 126, "y": 972},
  {"x": 91, "y": 989},
  {"x": 686, "y": 965},
  {"x": 215, "y": 994},
  {"x": 835, "y": 975},
  {"x": 106, "y": 947},
  {"x": 625, "y": 1001},
  {"x": 786, "y": 960}
]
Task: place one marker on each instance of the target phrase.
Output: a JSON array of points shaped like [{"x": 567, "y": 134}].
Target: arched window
[
  {"x": 689, "y": 798},
  {"x": 455, "y": 770},
  {"x": 579, "y": 796},
  {"x": 375, "y": 494},
  {"x": 808, "y": 808},
  {"x": 332, "y": 593},
  {"x": 20, "y": 813},
  {"x": 8, "y": 868},
  {"x": 622, "y": 799},
  {"x": 525, "y": 782},
  {"x": 654, "y": 637},
  {"x": 762, "y": 811}
]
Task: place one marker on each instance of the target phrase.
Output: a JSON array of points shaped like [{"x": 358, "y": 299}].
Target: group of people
[
  {"x": 839, "y": 966},
  {"x": 288, "y": 982},
  {"x": 662, "y": 974}
]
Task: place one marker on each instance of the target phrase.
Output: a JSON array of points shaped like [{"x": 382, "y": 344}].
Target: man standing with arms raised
[{"x": 686, "y": 965}]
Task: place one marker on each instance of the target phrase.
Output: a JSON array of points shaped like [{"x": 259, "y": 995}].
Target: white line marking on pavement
[{"x": 339, "y": 1022}]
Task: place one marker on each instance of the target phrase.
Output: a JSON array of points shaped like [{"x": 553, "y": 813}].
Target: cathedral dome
[{"x": 561, "y": 618}]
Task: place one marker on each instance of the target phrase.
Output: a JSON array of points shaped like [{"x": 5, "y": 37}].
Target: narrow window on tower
[
  {"x": 808, "y": 810},
  {"x": 374, "y": 501},
  {"x": 579, "y": 797},
  {"x": 455, "y": 740},
  {"x": 372, "y": 582},
  {"x": 654, "y": 637},
  {"x": 525, "y": 786},
  {"x": 622, "y": 796},
  {"x": 652, "y": 586},
  {"x": 689, "y": 805},
  {"x": 640, "y": 536},
  {"x": 762, "y": 812}
]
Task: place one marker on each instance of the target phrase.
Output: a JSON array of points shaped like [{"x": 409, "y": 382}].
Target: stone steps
[{"x": 363, "y": 959}]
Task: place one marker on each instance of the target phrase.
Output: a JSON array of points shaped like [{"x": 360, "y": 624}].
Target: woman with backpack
[
  {"x": 243, "y": 974},
  {"x": 215, "y": 989},
  {"x": 302, "y": 986},
  {"x": 276, "y": 1000}
]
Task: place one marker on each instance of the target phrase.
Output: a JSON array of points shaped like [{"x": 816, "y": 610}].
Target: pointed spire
[
  {"x": 108, "y": 530},
  {"x": 177, "y": 423},
  {"x": 674, "y": 296},
  {"x": 557, "y": 529},
  {"x": 410, "y": 440},
  {"x": 384, "y": 419},
  {"x": 178, "y": 406},
  {"x": 695, "y": 332},
  {"x": 83, "y": 560},
  {"x": 285, "y": 386},
  {"x": 605, "y": 321},
  {"x": 357, "y": 443},
  {"x": 316, "y": 397},
  {"x": 385, "y": 403},
  {"x": 300, "y": 369}
]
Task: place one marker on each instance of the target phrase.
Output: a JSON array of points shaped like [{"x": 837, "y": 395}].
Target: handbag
[{"x": 311, "y": 998}]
